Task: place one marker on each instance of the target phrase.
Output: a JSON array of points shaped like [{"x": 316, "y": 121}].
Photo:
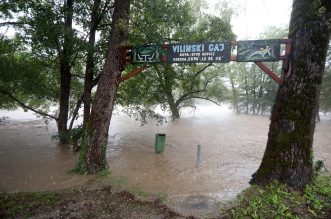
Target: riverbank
[
  {"x": 82, "y": 203},
  {"x": 272, "y": 201}
]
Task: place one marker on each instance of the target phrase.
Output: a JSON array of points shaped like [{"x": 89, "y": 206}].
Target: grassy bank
[
  {"x": 82, "y": 203},
  {"x": 279, "y": 201},
  {"x": 272, "y": 201}
]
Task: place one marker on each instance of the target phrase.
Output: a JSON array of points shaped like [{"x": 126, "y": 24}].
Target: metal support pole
[{"x": 199, "y": 156}]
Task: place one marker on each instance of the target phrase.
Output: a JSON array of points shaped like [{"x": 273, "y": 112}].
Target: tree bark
[
  {"x": 89, "y": 71},
  {"x": 288, "y": 156},
  {"x": 65, "y": 74},
  {"x": 106, "y": 92},
  {"x": 173, "y": 107},
  {"x": 168, "y": 90},
  {"x": 166, "y": 78}
]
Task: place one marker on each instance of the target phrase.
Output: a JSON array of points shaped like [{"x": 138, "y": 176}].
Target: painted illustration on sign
[
  {"x": 199, "y": 52},
  {"x": 147, "y": 53},
  {"x": 258, "y": 50}
]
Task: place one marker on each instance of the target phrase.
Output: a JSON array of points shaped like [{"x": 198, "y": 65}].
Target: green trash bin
[{"x": 159, "y": 142}]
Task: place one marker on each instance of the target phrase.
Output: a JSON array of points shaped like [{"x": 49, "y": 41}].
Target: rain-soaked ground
[{"x": 231, "y": 150}]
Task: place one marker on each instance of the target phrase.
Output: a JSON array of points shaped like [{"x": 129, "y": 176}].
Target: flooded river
[{"x": 231, "y": 150}]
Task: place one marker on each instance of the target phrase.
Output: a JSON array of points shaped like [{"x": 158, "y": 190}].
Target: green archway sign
[
  {"x": 199, "y": 52},
  {"x": 256, "y": 51},
  {"x": 147, "y": 54}
]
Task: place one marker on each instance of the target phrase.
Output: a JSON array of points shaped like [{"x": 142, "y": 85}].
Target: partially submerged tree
[
  {"x": 25, "y": 80},
  {"x": 93, "y": 153},
  {"x": 177, "y": 86},
  {"x": 289, "y": 155},
  {"x": 252, "y": 90},
  {"x": 46, "y": 31}
]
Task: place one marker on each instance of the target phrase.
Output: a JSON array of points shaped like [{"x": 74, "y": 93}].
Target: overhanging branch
[
  {"x": 203, "y": 98},
  {"x": 77, "y": 76},
  {"x": 75, "y": 113},
  {"x": 24, "y": 106},
  {"x": 187, "y": 95},
  {"x": 201, "y": 70},
  {"x": 12, "y": 23}
]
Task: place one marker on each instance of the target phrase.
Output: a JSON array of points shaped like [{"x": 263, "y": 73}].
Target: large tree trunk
[
  {"x": 173, "y": 107},
  {"x": 168, "y": 89},
  {"x": 288, "y": 155},
  {"x": 106, "y": 92},
  {"x": 167, "y": 79},
  {"x": 89, "y": 71},
  {"x": 65, "y": 74}
]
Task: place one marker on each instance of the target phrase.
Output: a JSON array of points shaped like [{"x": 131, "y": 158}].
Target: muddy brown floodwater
[{"x": 231, "y": 150}]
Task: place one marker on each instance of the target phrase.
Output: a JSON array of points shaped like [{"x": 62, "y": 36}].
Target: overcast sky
[{"x": 253, "y": 16}]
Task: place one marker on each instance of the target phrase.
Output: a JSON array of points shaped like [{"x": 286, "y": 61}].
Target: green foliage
[
  {"x": 117, "y": 182},
  {"x": 154, "y": 21},
  {"x": 252, "y": 90},
  {"x": 319, "y": 167},
  {"x": 279, "y": 201},
  {"x": 30, "y": 61},
  {"x": 177, "y": 86},
  {"x": 24, "y": 76},
  {"x": 81, "y": 166},
  {"x": 142, "y": 113},
  {"x": 138, "y": 192},
  {"x": 318, "y": 196},
  {"x": 41, "y": 34},
  {"x": 162, "y": 197},
  {"x": 104, "y": 173},
  {"x": 272, "y": 201},
  {"x": 25, "y": 203}
]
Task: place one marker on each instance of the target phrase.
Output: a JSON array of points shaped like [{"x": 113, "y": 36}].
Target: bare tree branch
[
  {"x": 203, "y": 98},
  {"x": 187, "y": 96},
  {"x": 187, "y": 105},
  {"x": 77, "y": 76},
  {"x": 96, "y": 80},
  {"x": 105, "y": 8},
  {"x": 201, "y": 70},
  {"x": 24, "y": 106},
  {"x": 12, "y": 23},
  {"x": 75, "y": 113},
  {"x": 209, "y": 81}
]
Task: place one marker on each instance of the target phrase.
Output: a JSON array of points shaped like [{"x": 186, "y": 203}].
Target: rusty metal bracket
[
  {"x": 274, "y": 77},
  {"x": 133, "y": 73}
]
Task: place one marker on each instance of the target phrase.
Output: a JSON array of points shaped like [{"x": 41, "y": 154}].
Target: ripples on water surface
[{"x": 232, "y": 148}]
